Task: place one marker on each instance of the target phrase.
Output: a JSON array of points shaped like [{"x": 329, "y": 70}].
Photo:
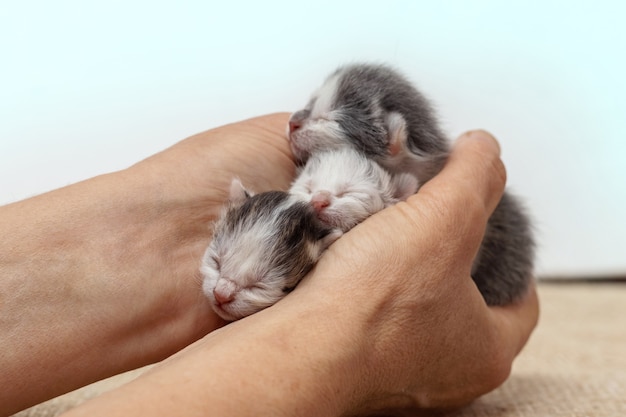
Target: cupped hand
[
  {"x": 179, "y": 193},
  {"x": 388, "y": 319},
  {"x": 400, "y": 281},
  {"x": 399, "y": 286},
  {"x": 201, "y": 167},
  {"x": 114, "y": 260}
]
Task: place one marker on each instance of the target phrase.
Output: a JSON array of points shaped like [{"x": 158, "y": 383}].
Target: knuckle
[{"x": 499, "y": 174}]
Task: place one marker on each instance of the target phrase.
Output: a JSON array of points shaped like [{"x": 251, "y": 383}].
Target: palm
[{"x": 190, "y": 181}]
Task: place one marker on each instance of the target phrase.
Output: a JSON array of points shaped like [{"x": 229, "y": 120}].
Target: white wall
[{"x": 88, "y": 88}]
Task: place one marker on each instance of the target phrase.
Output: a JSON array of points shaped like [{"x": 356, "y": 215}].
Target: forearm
[
  {"x": 271, "y": 363},
  {"x": 102, "y": 276},
  {"x": 76, "y": 306}
]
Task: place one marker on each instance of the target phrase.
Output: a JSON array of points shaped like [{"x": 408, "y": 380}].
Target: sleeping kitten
[
  {"x": 262, "y": 246},
  {"x": 377, "y": 112},
  {"x": 344, "y": 187}
]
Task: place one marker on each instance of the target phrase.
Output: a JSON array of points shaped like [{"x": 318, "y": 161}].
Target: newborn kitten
[
  {"x": 344, "y": 187},
  {"x": 377, "y": 112},
  {"x": 262, "y": 246}
]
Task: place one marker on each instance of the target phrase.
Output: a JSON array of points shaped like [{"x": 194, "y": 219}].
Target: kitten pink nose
[
  {"x": 222, "y": 297},
  {"x": 320, "y": 200},
  {"x": 294, "y": 125}
]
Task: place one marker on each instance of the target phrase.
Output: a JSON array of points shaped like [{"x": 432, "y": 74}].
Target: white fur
[
  {"x": 325, "y": 97},
  {"x": 397, "y": 132},
  {"x": 242, "y": 267},
  {"x": 358, "y": 186},
  {"x": 245, "y": 273},
  {"x": 320, "y": 130}
]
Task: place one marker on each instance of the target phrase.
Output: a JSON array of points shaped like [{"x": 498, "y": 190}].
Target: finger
[
  {"x": 474, "y": 164},
  {"x": 271, "y": 125},
  {"x": 256, "y": 150},
  {"x": 515, "y": 322},
  {"x": 458, "y": 201}
]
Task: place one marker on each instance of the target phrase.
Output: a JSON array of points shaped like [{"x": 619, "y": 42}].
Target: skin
[{"x": 102, "y": 276}]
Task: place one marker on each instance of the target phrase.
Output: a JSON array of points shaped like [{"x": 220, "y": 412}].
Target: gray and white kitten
[
  {"x": 264, "y": 244},
  {"x": 345, "y": 187},
  {"x": 377, "y": 112}
]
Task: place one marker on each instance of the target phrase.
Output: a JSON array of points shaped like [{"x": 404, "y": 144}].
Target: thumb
[
  {"x": 474, "y": 164},
  {"x": 441, "y": 226},
  {"x": 457, "y": 202}
]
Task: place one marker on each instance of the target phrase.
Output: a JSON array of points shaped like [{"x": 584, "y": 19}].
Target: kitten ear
[
  {"x": 330, "y": 238},
  {"x": 397, "y": 134},
  {"x": 404, "y": 186},
  {"x": 237, "y": 193}
]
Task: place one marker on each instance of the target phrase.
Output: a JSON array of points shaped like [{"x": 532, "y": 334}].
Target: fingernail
[{"x": 482, "y": 135}]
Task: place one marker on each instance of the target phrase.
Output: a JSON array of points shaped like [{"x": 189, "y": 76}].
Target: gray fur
[
  {"x": 504, "y": 265},
  {"x": 376, "y": 111},
  {"x": 262, "y": 246},
  {"x": 364, "y": 96}
]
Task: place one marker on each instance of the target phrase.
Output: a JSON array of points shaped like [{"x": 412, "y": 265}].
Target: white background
[{"x": 91, "y": 87}]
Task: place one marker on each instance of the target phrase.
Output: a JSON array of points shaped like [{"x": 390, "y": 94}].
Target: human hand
[
  {"x": 399, "y": 290},
  {"x": 407, "y": 269},
  {"x": 389, "y": 319},
  {"x": 199, "y": 169},
  {"x": 115, "y": 261},
  {"x": 187, "y": 185}
]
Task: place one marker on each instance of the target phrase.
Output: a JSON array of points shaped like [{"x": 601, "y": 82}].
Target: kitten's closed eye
[{"x": 344, "y": 187}]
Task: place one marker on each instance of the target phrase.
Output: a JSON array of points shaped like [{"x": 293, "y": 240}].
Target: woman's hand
[
  {"x": 399, "y": 287},
  {"x": 199, "y": 169},
  {"x": 186, "y": 186},
  {"x": 103, "y": 276},
  {"x": 389, "y": 319},
  {"x": 400, "y": 282}
]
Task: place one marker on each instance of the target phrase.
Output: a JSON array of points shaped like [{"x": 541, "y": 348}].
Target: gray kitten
[{"x": 377, "y": 112}]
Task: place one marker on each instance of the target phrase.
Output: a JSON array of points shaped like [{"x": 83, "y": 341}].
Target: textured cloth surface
[{"x": 574, "y": 364}]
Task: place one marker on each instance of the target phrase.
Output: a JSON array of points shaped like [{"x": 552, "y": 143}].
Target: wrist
[
  {"x": 89, "y": 270},
  {"x": 286, "y": 360},
  {"x": 151, "y": 263},
  {"x": 332, "y": 347}
]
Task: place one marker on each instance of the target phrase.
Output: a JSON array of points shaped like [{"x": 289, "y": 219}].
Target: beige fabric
[{"x": 574, "y": 364}]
